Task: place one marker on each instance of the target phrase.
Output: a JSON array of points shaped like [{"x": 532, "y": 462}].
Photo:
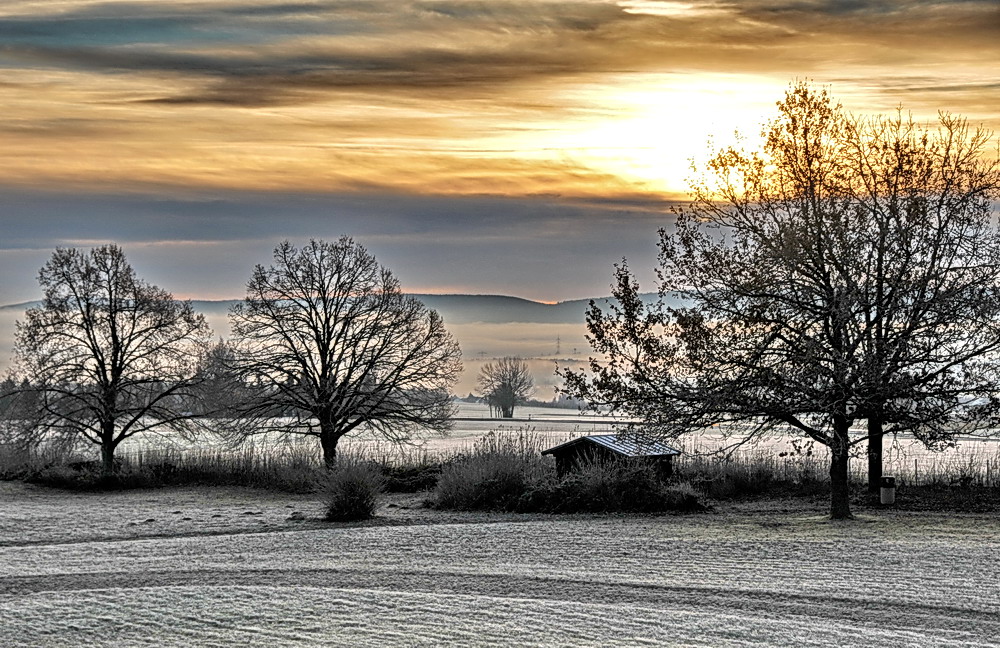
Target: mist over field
[{"x": 486, "y": 327}]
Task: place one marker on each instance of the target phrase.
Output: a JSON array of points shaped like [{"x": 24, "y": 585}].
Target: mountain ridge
[{"x": 455, "y": 308}]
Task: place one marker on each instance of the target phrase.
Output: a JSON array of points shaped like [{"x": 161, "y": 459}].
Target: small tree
[
  {"x": 849, "y": 272},
  {"x": 505, "y": 384},
  {"x": 106, "y": 356},
  {"x": 325, "y": 343}
]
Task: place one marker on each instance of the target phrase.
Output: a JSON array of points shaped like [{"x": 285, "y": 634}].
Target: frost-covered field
[{"x": 226, "y": 567}]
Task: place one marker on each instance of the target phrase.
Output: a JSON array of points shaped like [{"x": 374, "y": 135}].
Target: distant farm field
[{"x": 227, "y": 567}]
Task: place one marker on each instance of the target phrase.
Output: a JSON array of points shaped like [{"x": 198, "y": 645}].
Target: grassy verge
[{"x": 504, "y": 471}]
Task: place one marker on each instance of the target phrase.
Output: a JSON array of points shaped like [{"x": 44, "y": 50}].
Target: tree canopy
[
  {"x": 325, "y": 342},
  {"x": 849, "y": 271},
  {"x": 505, "y": 384},
  {"x": 106, "y": 355}
]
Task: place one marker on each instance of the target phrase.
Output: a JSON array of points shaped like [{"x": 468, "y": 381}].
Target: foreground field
[{"x": 228, "y": 567}]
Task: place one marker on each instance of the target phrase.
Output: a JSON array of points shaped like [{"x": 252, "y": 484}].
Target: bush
[
  {"x": 682, "y": 497},
  {"x": 289, "y": 470},
  {"x": 411, "y": 478},
  {"x": 496, "y": 475},
  {"x": 16, "y": 462},
  {"x": 490, "y": 481},
  {"x": 619, "y": 486},
  {"x": 87, "y": 476},
  {"x": 352, "y": 491}
]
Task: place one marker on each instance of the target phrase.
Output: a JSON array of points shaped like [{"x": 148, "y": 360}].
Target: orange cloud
[{"x": 513, "y": 97}]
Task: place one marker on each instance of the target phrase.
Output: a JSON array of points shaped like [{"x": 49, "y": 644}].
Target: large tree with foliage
[
  {"x": 847, "y": 272},
  {"x": 505, "y": 384},
  {"x": 325, "y": 343},
  {"x": 106, "y": 356}
]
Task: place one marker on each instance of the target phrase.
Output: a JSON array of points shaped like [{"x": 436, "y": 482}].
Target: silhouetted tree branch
[
  {"x": 107, "y": 355},
  {"x": 847, "y": 272},
  {"x": 325, "y": 343}
]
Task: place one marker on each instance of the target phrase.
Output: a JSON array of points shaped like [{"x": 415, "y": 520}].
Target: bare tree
[
  {"x": 106, "y": 356},
  {"x": 326, "y": 342},
  {"x": 505, "y": 384},
  {"x": 848, "y": 272},
  {"x": 931, "y": 269}
]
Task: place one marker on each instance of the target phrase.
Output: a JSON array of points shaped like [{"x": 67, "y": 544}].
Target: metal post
[{"x": 888, "y": 490}]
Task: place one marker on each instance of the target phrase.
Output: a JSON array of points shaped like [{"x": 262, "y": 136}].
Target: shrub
[
  {"x": 495, "y": 482},
  {"x": 284, "y": 469},
  {"x": 352, "y": 490},
  {"x": 411, "y": 478},
  {"x": 502, "y": 468},
  {"x": 16, "y": 462},
  {"x": 614, "y": 486},
  {"x": 87, "y": 476},
  {"x": 682, "y": 496}
]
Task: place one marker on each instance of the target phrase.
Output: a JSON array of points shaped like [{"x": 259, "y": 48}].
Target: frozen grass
[{"x": 737, "y": 577}]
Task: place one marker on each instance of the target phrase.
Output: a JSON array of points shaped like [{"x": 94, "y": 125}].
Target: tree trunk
[
  {"x": 107, "y": 458},
  {"x": 840, "y": 489},
  {"x": 329, "y": 435},
  {"x": 329, "y": 444},
  {"x": 108, "y": 447},
  {"x": 875, "y": 436}
]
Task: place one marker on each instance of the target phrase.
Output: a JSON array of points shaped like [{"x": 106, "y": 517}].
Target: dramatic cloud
[
  {"x": 528, "y": 142},
  {"x": 468, "y": 96}
]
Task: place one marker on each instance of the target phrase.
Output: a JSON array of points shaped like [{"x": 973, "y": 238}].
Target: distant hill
[{"x": 456, "y": 309}]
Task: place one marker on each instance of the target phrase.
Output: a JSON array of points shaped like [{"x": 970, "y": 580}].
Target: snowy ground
[{"x": 227, "y": 567}]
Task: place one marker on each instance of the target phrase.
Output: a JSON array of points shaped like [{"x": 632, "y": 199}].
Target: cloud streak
[{"x": 273, "y": 53}]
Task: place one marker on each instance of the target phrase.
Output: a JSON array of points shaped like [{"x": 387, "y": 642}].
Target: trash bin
[{"x": 888, "y": 490}]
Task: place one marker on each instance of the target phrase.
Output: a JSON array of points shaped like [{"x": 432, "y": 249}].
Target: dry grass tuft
[{"x": 353, "y": 490}]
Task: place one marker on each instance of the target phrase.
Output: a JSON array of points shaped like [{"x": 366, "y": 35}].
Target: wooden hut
[{"x": 599, "y": 448}]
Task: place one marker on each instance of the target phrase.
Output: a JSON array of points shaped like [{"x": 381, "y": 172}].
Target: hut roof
[{"x": 628, "y": 446}]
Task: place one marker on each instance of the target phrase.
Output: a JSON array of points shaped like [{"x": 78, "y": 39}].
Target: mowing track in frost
[{"x": 729, "y": 578}]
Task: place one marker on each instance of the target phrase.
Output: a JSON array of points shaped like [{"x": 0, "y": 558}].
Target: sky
[{"x": 514, "y": 147}]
